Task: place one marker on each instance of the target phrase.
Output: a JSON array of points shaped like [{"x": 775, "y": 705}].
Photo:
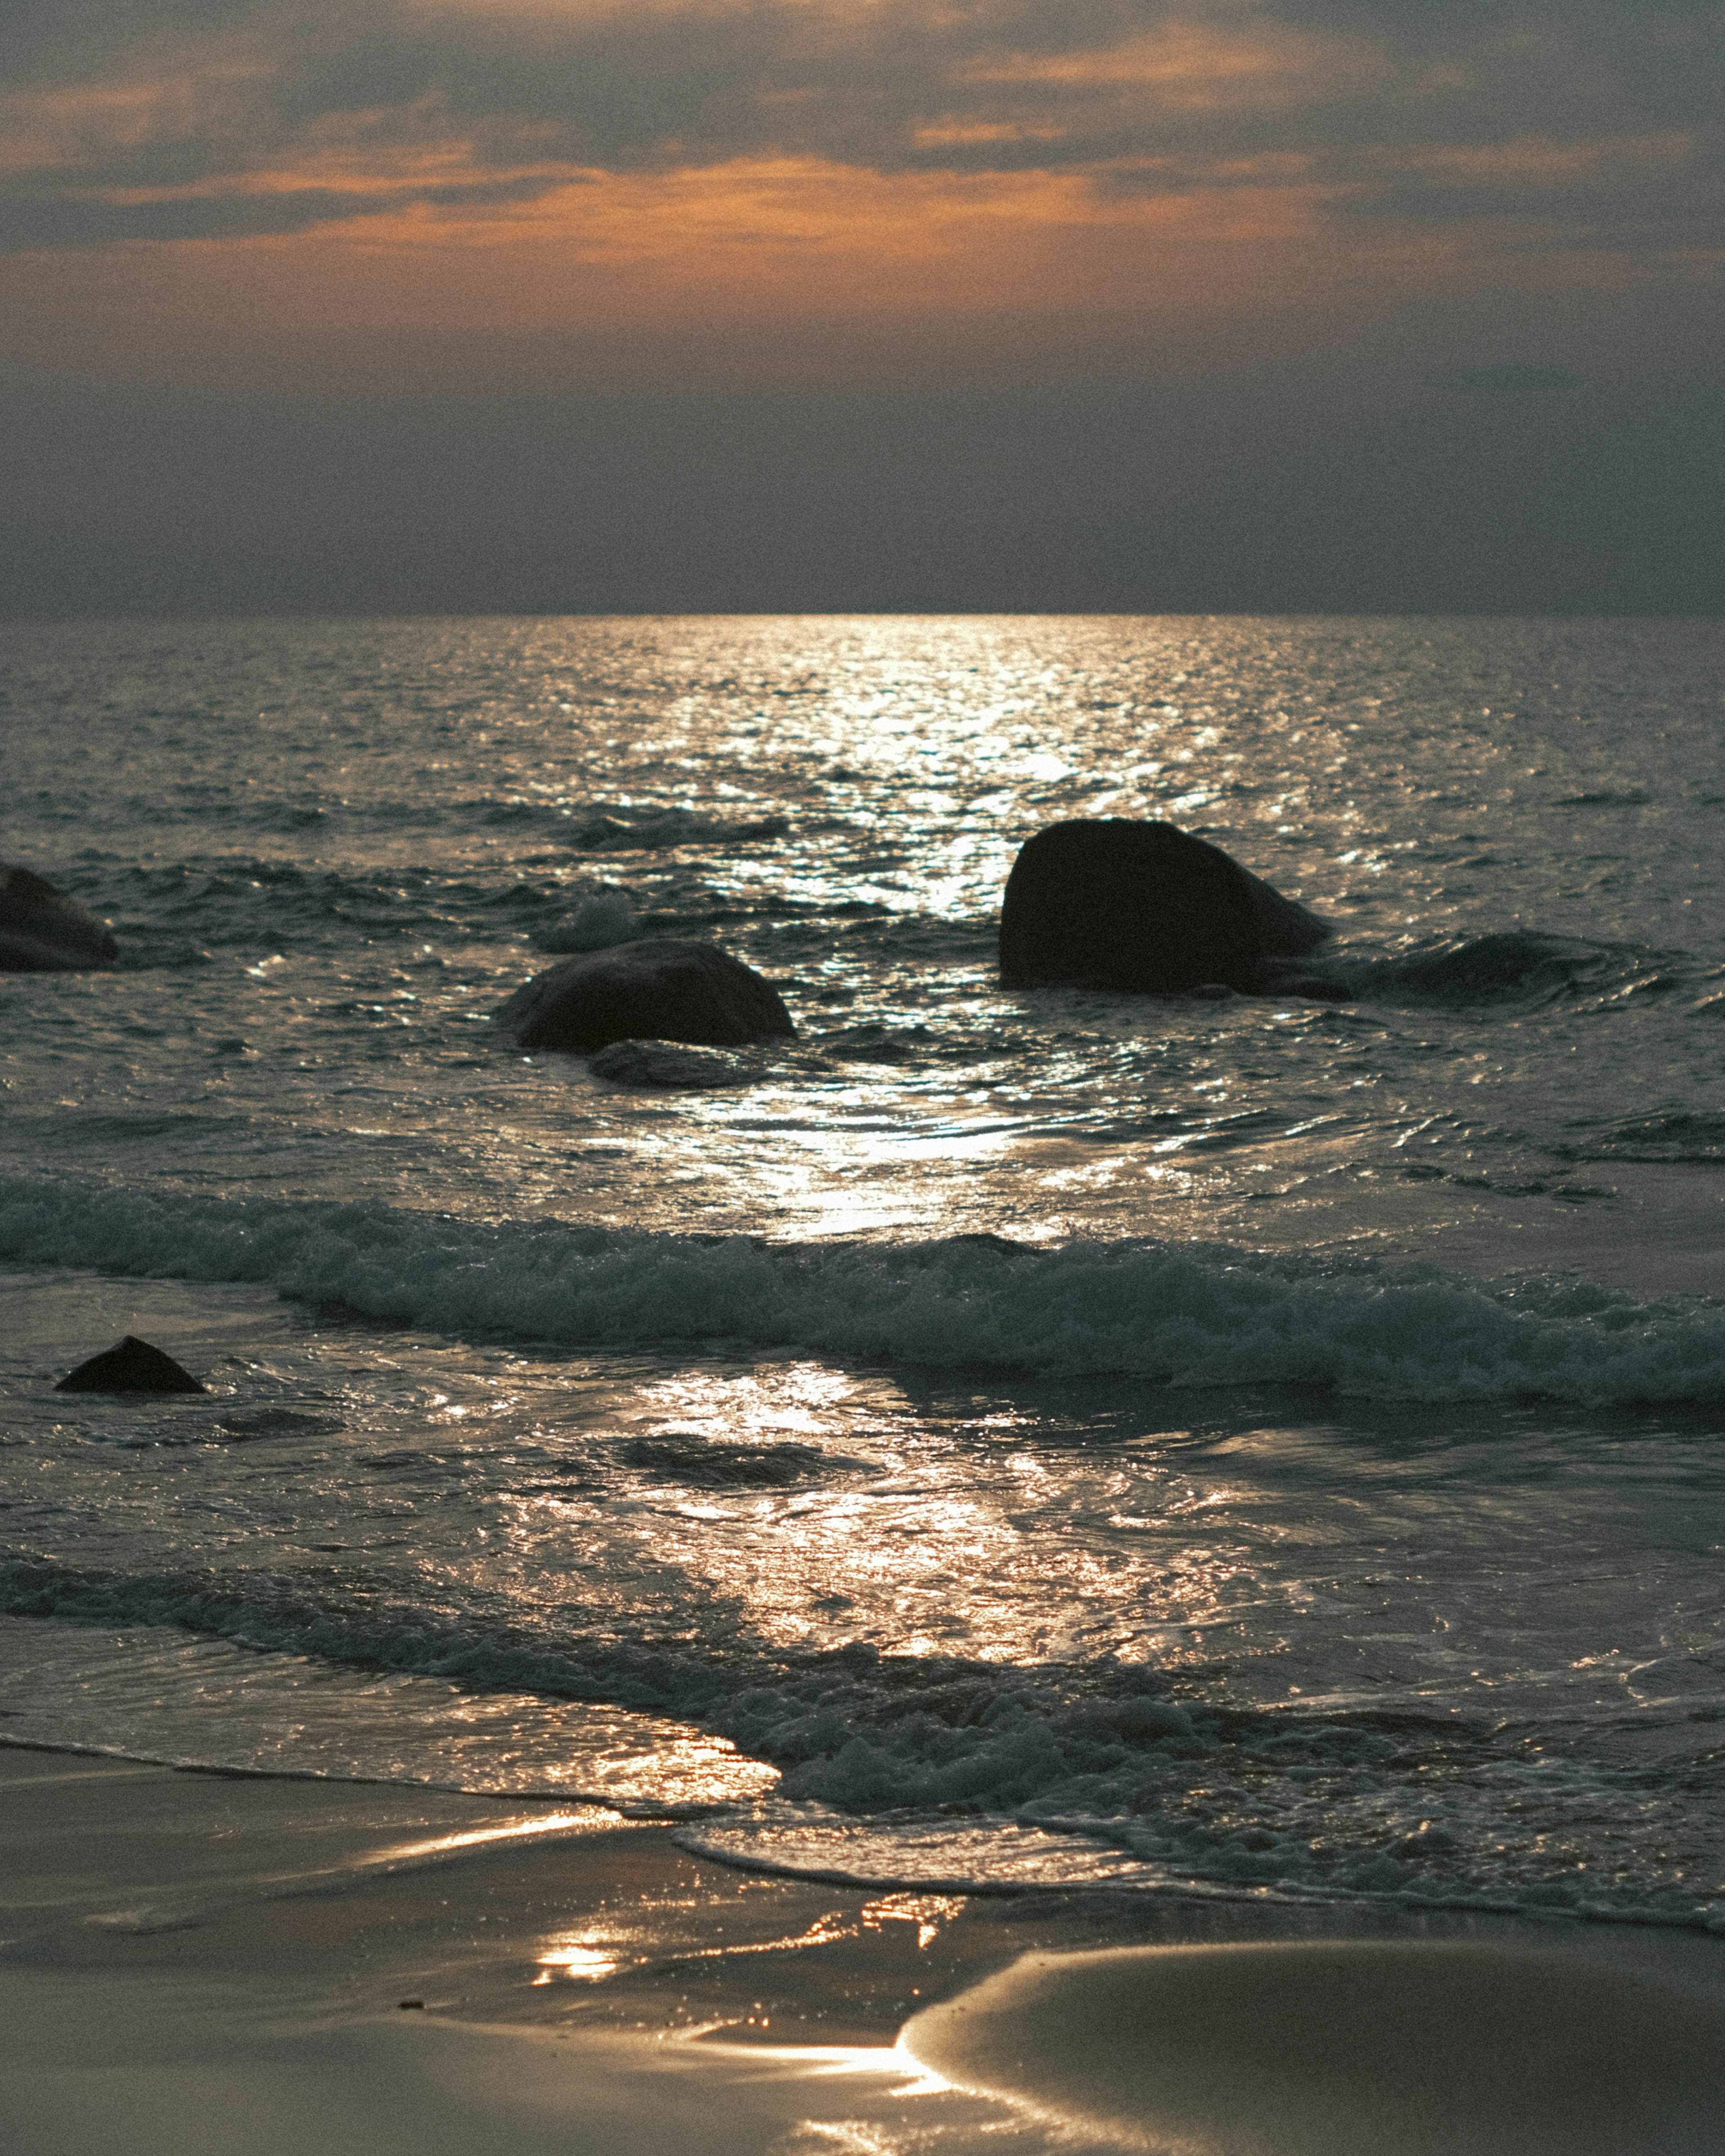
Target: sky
[{"x": 784, "y": 305}]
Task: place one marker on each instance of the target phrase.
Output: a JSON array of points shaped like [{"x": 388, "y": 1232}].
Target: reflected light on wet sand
[
  {"x": 816, "y": 2060},
  {"x": 575, "y": 1956},
  {"x": 1348, "y": 2048},
  {"x": 521, "y": 1829}
]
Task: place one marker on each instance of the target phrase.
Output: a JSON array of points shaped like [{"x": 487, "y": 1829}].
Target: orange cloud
[
  {"x": 856, "y": 185},
  {"x": 784, "y": 244}
]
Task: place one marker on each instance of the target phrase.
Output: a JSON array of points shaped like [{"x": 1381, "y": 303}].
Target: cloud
[
  {"x": 53, "y": 221},
  {"x": 1598, "y": 121}
]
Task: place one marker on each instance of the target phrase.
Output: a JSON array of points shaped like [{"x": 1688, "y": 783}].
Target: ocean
[{"x": 1206, "y": 1446}]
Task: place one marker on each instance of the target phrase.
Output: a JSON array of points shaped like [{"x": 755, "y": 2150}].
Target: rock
[
  {"x": 658, "y": 1063},
  {"x": 1119, "y": 904},
  {"x": 658, "y": 987},
  {"x": 133, "y": 1366},
  {"x": 44, "y": 931}
]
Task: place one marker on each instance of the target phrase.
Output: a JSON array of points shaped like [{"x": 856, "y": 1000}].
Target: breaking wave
[
  {"x": 903, "y": 1770},
  {"x": 1185, "y": 1314}
]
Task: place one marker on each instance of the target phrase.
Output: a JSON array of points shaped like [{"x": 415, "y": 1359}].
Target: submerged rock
[
  {"x": 660, "y": 987},
  {"x": 133, "y": 1366},
  {"x": 42, "y": 931},
  {"x": 660, "y": 1063},
  {"x": 1119, "y": 905}
]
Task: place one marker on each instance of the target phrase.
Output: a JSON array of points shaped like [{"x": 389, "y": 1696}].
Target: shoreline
[{"x": 432, "y": 1970}]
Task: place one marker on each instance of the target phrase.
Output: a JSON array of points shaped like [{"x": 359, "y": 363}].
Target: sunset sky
[{"x": 564, "y": 305}]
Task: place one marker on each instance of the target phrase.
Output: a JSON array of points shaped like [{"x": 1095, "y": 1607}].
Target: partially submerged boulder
[
  {"x": 1112, "y": 904},
  {"x": 645, "y": 1064},
  {"x": 133, "y": 1366},
  {"x": 42, "y": 931},
  {"x": 658, "y": 987}
]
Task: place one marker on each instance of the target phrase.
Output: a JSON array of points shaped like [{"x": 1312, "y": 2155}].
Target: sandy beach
[{"x": 207, "y": 1963}]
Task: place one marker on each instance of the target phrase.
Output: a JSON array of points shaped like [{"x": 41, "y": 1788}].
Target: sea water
[{"x": 1208, "y": 1445}]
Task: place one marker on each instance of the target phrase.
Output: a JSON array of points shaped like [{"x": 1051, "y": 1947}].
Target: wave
[
  {"x": 1692, "y": 1137},
  {"x": 606, "y": 826},
  {"x": 1185, "y": 1314},
  {"x": 904, "y": 1768},
  {"x": 240, "y": 902},
  {"x": 1511, "y": 965},
  {"x": 630, "y": 830}
]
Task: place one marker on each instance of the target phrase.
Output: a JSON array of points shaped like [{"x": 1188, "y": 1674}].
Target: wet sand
[
  {"x": 207, "y": 1964},
  {"x": 1356, "y": 2047}
]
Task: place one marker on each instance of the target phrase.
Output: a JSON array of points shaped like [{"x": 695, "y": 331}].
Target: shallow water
[{"x": 1219, "y": 1445}]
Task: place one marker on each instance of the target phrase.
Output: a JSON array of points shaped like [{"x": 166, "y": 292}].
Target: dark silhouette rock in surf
[
  {"x": 133, "y": 1366},
  {"x": 42, "y": 931},
  {"x": 1146, "y": 907},
  {"x": 658, "y": 987}
]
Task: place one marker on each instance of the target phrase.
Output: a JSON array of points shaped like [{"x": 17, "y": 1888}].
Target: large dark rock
[
  {"x": 133, "y": 1366},
  {"x": 658, "y": 987},
  {"x": 1119, "y": 904},
  {"x": 44, "y": 931}
]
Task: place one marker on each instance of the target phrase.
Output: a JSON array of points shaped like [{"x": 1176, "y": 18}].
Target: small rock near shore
[{"x": 133, "y": 1366}]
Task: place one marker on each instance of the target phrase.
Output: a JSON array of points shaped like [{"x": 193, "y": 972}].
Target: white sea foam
[
  {"x": 1186, "y": 1314},
  {"x": 901, "y": 1771},
  {"x": 608, "y": 918}
]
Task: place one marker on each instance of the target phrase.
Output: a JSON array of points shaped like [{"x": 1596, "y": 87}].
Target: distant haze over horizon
[{"x": 530, "y": 306}]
